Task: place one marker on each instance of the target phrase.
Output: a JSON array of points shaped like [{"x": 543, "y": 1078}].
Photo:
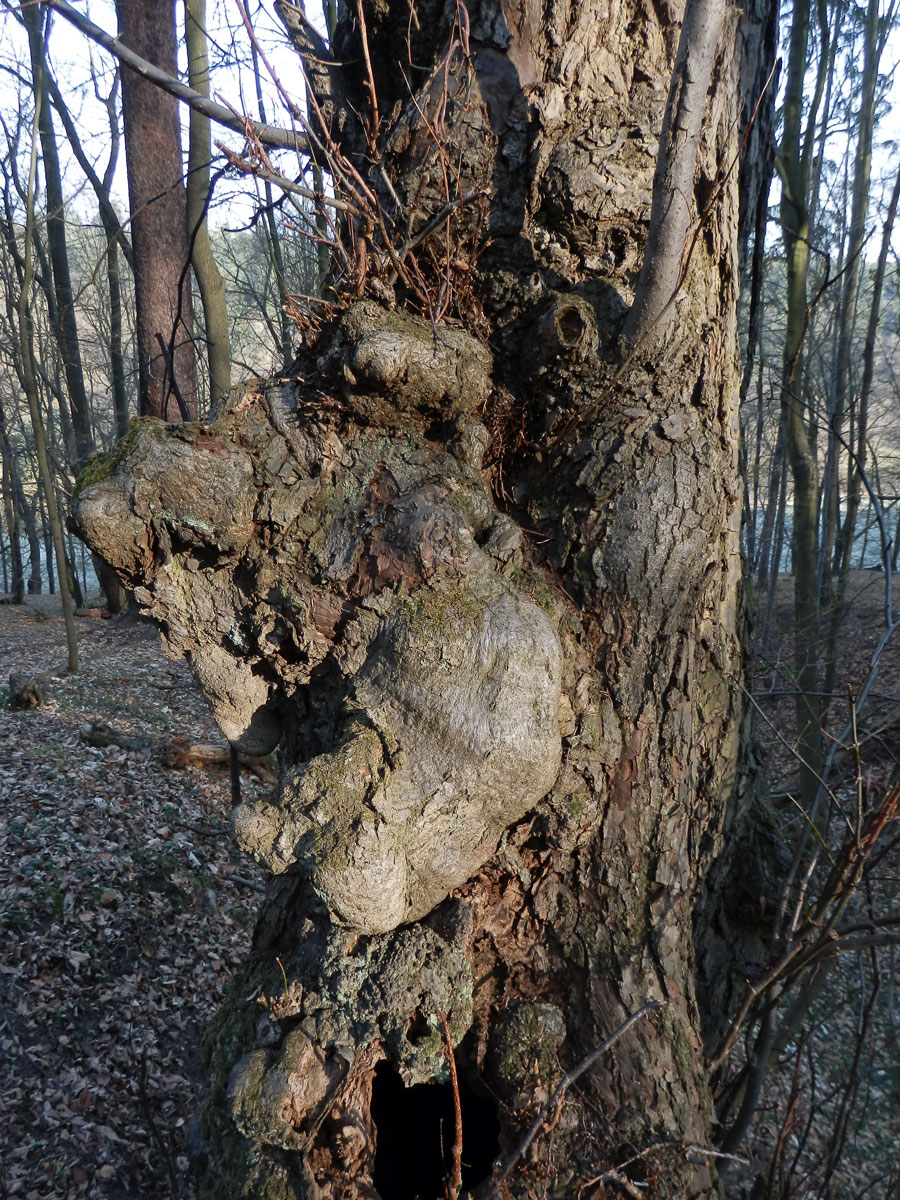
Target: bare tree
[
  {"x": 209, "y": 278},
  {"x": 29, "y": 381},
  {"x": 509, "y": 720}
]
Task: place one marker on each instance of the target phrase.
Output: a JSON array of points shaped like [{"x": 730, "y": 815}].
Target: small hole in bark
[
  {"x": 414, "y": 1131},
  {"x": 571, "y": 325},
  {"x": 418, "y": 1030},
  {"x": 617, "y": 246}
]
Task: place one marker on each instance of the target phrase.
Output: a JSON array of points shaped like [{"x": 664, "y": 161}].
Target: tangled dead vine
[{"x": 423, "y": 251}]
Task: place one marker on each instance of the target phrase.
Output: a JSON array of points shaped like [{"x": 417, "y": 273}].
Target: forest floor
[
  {"x": 125, "y": 908},
  {"x": 829, "y": 1121}
]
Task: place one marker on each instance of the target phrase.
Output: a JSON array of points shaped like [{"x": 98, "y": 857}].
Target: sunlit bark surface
[{"x": 482, "y": 591}]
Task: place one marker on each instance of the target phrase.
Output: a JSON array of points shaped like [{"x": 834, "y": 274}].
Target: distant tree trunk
[
  {"x": 115, "y": 236},
  {"x": 854, "y": 490},
  {"x": 66, "y": 327},
  {"x": 49, "y": 556},
  {"x": 116, "y": 353},
  {"x": 29, "y": 381},
  {"x": 35, "y": 581},
  {"x": 759, "y": 41},
  {"x": 158, "y": 216},
  {"x": 794, "y": 167},
  {"x": 63, "y": 296},
  {"x": 26, "y": 527},
  {"x": 862, "y": 170},
  {"x": 17, "y": 589},
  {"x": 829, "y": 518},
  {"x": 209, "y": 278},
  {"x": 844, "y": 404},
  {"x": 11, "y": 514},
  {"x": 766, "y": 563},
  {"x": 285, "y": 325}
]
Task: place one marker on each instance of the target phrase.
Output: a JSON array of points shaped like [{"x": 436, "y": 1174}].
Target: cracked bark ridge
[{"x": 342, "y": 591}]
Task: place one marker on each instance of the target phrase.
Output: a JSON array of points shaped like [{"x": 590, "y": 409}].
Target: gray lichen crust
[
  {"x": 398, "y": 363},
  {"x": 345, "y": 592}
]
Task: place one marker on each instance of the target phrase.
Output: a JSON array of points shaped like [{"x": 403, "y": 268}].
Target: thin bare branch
[{"x": 270, "y": 135}]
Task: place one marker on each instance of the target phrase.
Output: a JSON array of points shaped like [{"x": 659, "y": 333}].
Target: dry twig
[{"x": 455, "y": 1182}]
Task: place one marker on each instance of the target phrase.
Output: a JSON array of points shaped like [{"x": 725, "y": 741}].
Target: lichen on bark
[{"x": 338, "y": 581}]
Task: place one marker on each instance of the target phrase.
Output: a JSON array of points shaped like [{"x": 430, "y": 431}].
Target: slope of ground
[
  {"x": 828, "y": 1126},
  {"x": 124, "y": 910}
]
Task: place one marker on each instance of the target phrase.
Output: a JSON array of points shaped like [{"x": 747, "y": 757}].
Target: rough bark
[
  {"x": 509, "y": 739},
  {"x": 158, "y": 216}
]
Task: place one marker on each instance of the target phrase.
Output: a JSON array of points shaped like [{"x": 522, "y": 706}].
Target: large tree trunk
[{"x": 509, "y": 739}]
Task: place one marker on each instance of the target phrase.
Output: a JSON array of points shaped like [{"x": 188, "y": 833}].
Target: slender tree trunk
[
  {"x": 49, "y": 557},
  {"x": 673, "y": 186},
  {"x": 63, "y": 296},
  {"x": 288, "y": 332},
  {"x": 794, "y": 160},
  {"x": 754, "y": 330},
  {"x": 829, "y": 40},
  {"x": 31, "y": 395},
  {"x": 10, "y": 510},
  {"x": 66, "y": 326},
  {"x": 862, "y": 171},
  {"x": 27, "y": 529},
  {"x": 35, "y": 582},
  {"x": 862, "y": 432},
  {"x": 116, "y": 354},
  {"x": 115, "y": 237},
  {"x": 209, "y": 278},
  {"x": 767, "y": 563}
]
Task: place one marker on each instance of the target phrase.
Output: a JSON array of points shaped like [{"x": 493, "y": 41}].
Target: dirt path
[{"x": 123, "y": 912}]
